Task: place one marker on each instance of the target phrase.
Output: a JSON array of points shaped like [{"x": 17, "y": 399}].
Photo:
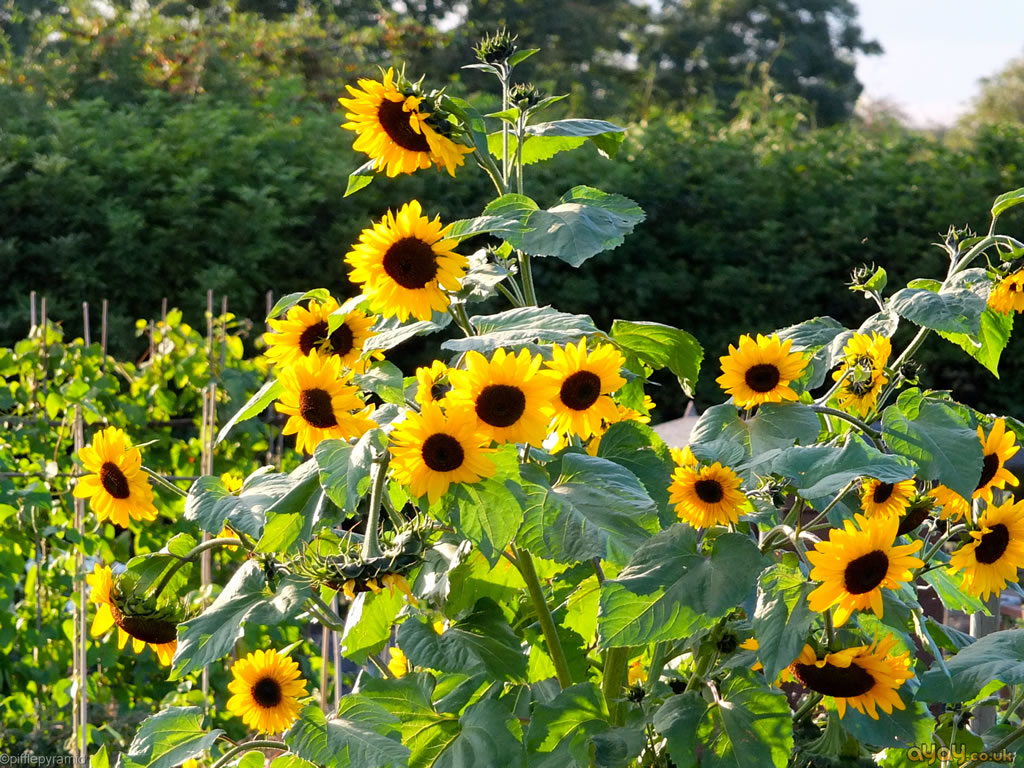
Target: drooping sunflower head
[
  {"x": 506, "y": 394},
  {"x": 953, "y": 506},
  {"x": 135, "y": 619},
  {"x": 991, "y": 560},
  {"x": 707, "y": 496},
  {"x": 1008, "y": 294},
  {"x": 584, "y": 381},
  {"x": 305, "y": 330},
  {"x": 865, "y": 677},
  {"x": 918, "y": 510},
  {"x": 394, "y": 130},
  {"x": 117, "y": 488},
  {"x": 321, "y": 403},
  {"x": 405, "y": 264},
  {"x": 856, "y": 563},
  {"x": 266, "y": 688},
  {"x": 862, "y": 373},
  {"x": 432, "y": 383},
  {"x": 879, "y": 499},
  {"x": 760, "y": 371},
  {"x": 431, "y": 450},
  {"x": 997, "y": 447}
]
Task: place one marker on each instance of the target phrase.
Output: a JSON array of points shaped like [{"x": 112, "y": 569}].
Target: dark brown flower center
[
  {"x": 988, "y": 469},
  {"x": 442, "y": 453},
  {"x": 312, "y": 337},
  {"x": 342, "y": 340},
  {"x": 708, "y": 491},
  {"x": 147, "y": 629},
  {"x": 438, "y": 390},
  {"x": 113, "y": 481},
  {"x": 267, "y": 692},
  {"x": 500, "y": 405},
  {"x": 913, "y": 519},
  {"x": 315, "y": 408},
  {"x": 866, "y": 572},
  {"x": 763, "y": 377},
  {"x": 580, "y": 390},
  {"x": 992, "y": 544},
  {"x": 395, "y": 122},
  {"x": 410, "y": 262},
  {"x": 834, "y": 681},
  {"x": 882, "y": 493}
]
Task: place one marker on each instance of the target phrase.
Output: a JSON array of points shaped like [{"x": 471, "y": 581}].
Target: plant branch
[
  {"x": 873, "y": 435},
  {"x": 192, "y": 555},
  {"x": 547, "y": 623},
  {"x": 164, "y": 483},
  {"x": 999, "y": 746},
  {"x": 257, "y": 744},
  {"x": 371, "y": 540},
  {"x": 614, "y": 680}
]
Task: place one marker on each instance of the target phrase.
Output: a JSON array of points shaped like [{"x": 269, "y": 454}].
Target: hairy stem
[
  {"x": 614, "y": 680},
  {"x": 547, "y": 623},
  {"x": 371, "y": 539}
]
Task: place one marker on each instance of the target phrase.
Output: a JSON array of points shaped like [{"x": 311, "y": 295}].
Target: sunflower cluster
[
  {"x": 862, "y": 374},
  {"x": 508, "y": 398},
  {"x": 306, "y": 329}
]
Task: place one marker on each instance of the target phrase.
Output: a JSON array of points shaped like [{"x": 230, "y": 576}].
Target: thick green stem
[
  {"x": 874, "y": 436},
  {"x": 942, "y": 540},
  {"x": 807, "y": 707},
  {"x": 614, "y": 680},
  {"x": 192, "y": 555},
  {"x": 257, "y": 744},
  {"x": 503, "y": 76},
  {"x": 824, "y": 513},
  {"x": 547, "y": 623},
  {"x": 526, "y": 271},
  {"x": 371, "y": 540},
  {"x": 999, "y": 746}
]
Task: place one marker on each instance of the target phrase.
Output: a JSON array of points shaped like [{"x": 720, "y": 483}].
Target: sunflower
[
  {"x": 992, "y": 559},
  {"x": 430, "y": 451},
  {"x": 511, "y": 401},
  {"x": 865, "y": 677},
  {"x": 394, "y": 132},
  {"x": 266, "y": 690},
  {"x": 1008, "y": 295},
  {"x": 158, "y": 634},
  {"x": 683, "y": 457},
  {"x": 855, "y": 564},
  {"x": 760, "y": 371},
  {"x": 622, "y": 413},
  {"x": 585, "y": 381},
  {"x": 321, "y": 403},
  {"x": 117, "y": 489},
  {"x": 398, "y": 664},
  {"x": 432, "y": 383},
  {"x": 879, "y": 499},
  {"x": 954, "y": 506},
  {"x": 862, "y": 373},
  {"x": 304, "y": 330},
  {"x": 405, "y": 264},
  {"x": 706, "y": 496},
  {"x": 998, "y": 447}
]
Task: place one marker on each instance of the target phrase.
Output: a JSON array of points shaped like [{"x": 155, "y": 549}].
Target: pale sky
[{"x": 936, "y": 51}]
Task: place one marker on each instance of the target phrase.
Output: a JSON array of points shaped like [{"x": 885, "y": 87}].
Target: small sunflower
[
  {"x": 953, "y": 505},
  {"x": 760, "y": 371},
  {"x": 511, "y": 401},
  {"x": 1008, "y": 295},
  {"x": 266, "y": 690},
  {"x": 992, "y": 559},
  {"x": 432, "y": 383},
  {"x": 394, "y": 132},
  {"x": 865, "y": 677},
  {"x": 622, "y": 413},
  {"x": 321, "y": 403},
  {"x": 585, "y": 381},
  {"x": 707, "y": 496},
  {"x": 854, "y": 565},
  {"x": 879, "y": 499},
  {"x": 160, "y": 635},
  {"x": 304, "y": 330},
  {"x": 430, "y": 451},
  {"x": 637, "y": 673},
  {"x": 862, "y": 373},
  {"x": 398, "y": 664},
  {"x": 998, "y": 448},
  {"x": 683, "y": 457},
  {"x": 405, "y": 264},
  {"x": 117, "y": 489}
]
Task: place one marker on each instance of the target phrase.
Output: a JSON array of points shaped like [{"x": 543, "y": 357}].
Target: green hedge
[{"x": 748, "y": 227}]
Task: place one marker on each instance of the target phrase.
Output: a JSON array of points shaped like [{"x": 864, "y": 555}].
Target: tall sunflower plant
[{"x": 520, "y": 571}]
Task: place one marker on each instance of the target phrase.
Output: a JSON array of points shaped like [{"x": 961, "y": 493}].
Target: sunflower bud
[
  {"x": 496, "y": 48},
  {"x": 910, "y": 371},
  {"x": 524, "y": 95},
  {"x": 727, "y": 643},
  {"x": 869, "y": 279}
]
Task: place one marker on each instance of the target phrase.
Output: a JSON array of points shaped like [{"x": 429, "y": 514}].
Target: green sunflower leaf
[
  {"x": 782, "y": 618},
  {"x": 294, "y": 516},
  {"x": 999, "y": 656},
  {"x": 360, "y": 177},
  {"x": 639, "y": 449},
  {"x": 368, "y": 623},
  {"x": 1006, "y": 201},
  {"x": 290, "y": 300},
  {"x": 956, "y": 308},
  {"x": 596, "y": 508},
  {"x": 662, "y": 346},
  {"x": 363, "y": 736},
  {"x": 561, "y": 731},
  {"x": 937, "y": 438},
  {"x": 169, "y": 738},
  {"x": 677, "y": 721},
  {"x": 481, "y": 642},
  {"x": 750, "y": 727},
  {"x": 524, "y": 325},
  {"x": 991, "y": 340},
  {"x": 487, "y": 513},
  {"x": 668, "y": 590},
  {"x": 390, "y": 333},
  {"x": 904, "y": 728},
  {"x": 256, "y": 405}
]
